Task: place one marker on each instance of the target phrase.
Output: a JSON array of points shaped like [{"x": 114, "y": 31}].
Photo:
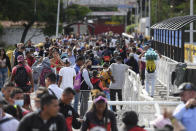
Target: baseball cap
[
  {"x": 131, "y": 55},
  {"x": 20, "y": 58},
  {"x": 66, "y": 60},
  {"x": 100, "y": 98},
  {"x": 185, "y": 87}
]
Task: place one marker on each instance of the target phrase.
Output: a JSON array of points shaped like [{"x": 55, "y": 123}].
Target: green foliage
[
  {"x": 75, "y": 13},
  {"x": 130, "y": 28},
  {"x": 10, "y": 47},
  {"x": 24, "y": 10},
  {"x": 1, "y": 30},
  {"x": 119, "y": 19},
  {"x": 165, "y": 9}
]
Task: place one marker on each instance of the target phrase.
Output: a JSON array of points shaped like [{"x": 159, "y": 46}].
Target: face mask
[
  {"x": 89, "y": 67},
  {"x": 19, "y": 102},
  {"x": 1, "y": 113}
]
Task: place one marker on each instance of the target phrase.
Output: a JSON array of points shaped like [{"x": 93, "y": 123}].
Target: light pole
[
  {"x": 149, "y": 13},
  {"x": 57, "y": 21},
  {"x": 191, "y": 25}
]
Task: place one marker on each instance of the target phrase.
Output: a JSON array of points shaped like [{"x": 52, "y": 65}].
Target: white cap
[{"x": 66, "y": 60}]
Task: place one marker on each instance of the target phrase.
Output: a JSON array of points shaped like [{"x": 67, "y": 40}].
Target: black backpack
[{"x": 21, "y": 77}]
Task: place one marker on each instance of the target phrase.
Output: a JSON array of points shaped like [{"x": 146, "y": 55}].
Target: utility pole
[
  {"x": 141, "y": 10},
  {"x": 57, "y": 21},
  {"x": 191, "y": 24},
  {"x": 149, "y": 14}
]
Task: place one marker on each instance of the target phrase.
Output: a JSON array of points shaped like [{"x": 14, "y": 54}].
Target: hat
[
  {"x": 185, "y": 87},
  {"x": 131, "y": 55},
  {"x": 66, "y": 61},
  {"x": 20, "y": 58},
  {"x": 100, "y": 98}
]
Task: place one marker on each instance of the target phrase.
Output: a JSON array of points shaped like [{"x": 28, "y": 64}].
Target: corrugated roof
[{"x": 175, "y": 23}]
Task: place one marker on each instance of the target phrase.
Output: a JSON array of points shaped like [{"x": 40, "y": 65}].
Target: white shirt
[
  {"x": 67, "y": 74},
  {"x": 10, "y": 125},
  {"x": 57, "y": 91}
]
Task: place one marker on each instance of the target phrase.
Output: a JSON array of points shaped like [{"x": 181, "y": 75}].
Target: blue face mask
[
  {"x": 19, "y": 102},
  {"x": 1, "y": 113}
]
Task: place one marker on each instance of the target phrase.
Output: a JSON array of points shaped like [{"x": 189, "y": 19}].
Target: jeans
[
  {"x": 3, "y": 76},
  {"x": 84, "y": 102},
  {"x": 76, "y": 101},
  {"x": 113, "y": 96},
  {"x": 150, "y": 79},
  {"x": 108, "y": 97}
]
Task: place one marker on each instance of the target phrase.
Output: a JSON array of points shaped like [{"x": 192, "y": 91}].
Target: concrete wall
[{"x": 12, "y": 35}]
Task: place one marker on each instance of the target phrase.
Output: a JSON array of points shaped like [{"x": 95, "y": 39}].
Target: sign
[
  {"x": 161, "y": 36},
  {"x": 169, "y": 37},
  {"x": 180, "y": 38},
  {"x": 176, "y": 38},
  {"x": 173, "y": 36},
  {"x": 166, "y": 37},
  {"x": 154, "y": 34}
]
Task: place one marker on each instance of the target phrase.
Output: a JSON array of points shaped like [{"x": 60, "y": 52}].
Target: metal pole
[
  {"x": 191, "y": 25},
  {"x": 57, "y": 21},
  {"x": 149, "y": 14},
  {"x": 141, "y": 9}
]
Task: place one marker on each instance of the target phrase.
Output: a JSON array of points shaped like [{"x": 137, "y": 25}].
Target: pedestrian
[
  {"x": 99, "y": 115},
  {"x": 77, "y": 67},
  {"x": 132, "y": 62},
  {"x": 53, "y": 88},
  {"x": 66, "y": 75},
  {"x": 86, "y": 86},
  {"x": 150, "y": 58},
  {"x": 130, "y": 120},
  {"x": 29, "y": 58},
  {"x": 19, "y": 51},
  {"x": 71, "y": 116},
  {"x": 47, "y": 119},
  {"x": 25, "y": 82},
  {"x": 4, "y": 66},
  {"x": 118, "y": 73},
  {"x": 185, "y": 112},
  {"x": 6, "y": 90},
  {"x": 7, "y": 122}
]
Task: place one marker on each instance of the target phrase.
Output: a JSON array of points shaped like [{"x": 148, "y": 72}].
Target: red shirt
[{"x": 30, "y": 61}]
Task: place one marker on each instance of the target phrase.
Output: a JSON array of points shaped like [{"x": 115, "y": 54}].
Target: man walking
[{"x": 118, "y": 72}]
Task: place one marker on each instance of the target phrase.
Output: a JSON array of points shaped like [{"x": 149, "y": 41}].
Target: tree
[
  {"x": 75, "y": 13},
  {"x": 30, "y": 11}
]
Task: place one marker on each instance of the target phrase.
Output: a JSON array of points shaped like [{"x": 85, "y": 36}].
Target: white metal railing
[
  {"x": 165, "y": 67},
  {"x": 147, "y": 111}
]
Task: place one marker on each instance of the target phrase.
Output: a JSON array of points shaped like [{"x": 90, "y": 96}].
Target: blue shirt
[
  {"x": 186, "y": 116},
  {"x": 77, "y": 68},
  {"x": 72, "y": 59}
]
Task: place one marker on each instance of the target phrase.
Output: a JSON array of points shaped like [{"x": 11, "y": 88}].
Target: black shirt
[
  {"x": 70, "y": 116},
  {"x": 91, "y": 121},
  {"x": 33, "y": 122}
]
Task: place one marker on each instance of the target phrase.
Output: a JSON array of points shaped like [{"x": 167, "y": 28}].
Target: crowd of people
[{"x": 45, "y": 78}]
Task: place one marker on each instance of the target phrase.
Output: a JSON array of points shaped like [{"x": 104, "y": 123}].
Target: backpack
[
  {"x": 78, "y": 81},
  {"x": 150, "y": 66},
  {"x": 21, "y": 78},
  {"x": 44, "y": 73}
]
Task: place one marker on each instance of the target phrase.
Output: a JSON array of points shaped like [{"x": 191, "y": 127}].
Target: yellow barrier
[
  {"x": 11, "y": 57},
  {"x": 189, "y": 52}
]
